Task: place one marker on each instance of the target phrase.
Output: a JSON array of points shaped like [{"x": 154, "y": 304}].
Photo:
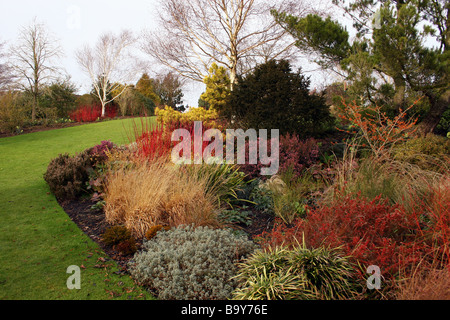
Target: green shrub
[
  {"x": 262, "y": 198},
  {"x": 298, "y": 273},
  {"x": 187, "y": 263},
  {"x": 67, "y": 175},
  {"x": 235, "y": 216},
  {"x": 273, "y": 96},
  {"x": 429, "y": 153},
  {"x": 225, "y": 181}
]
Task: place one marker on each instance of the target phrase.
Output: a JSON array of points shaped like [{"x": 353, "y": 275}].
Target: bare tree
[
  {"x": 234, "y": 33},
  {"x": 33, "y": 60},
  {"x": 109, "y": 65},
  {"x": 5, "y": 70}
]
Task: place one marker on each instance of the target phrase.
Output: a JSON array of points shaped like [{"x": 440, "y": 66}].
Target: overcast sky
[{"x": 79, "y": 22}]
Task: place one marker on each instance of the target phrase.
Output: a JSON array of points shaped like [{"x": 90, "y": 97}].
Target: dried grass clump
[
  {"x": 156, "y": 193},
  {"x": 430, "y": 284}
]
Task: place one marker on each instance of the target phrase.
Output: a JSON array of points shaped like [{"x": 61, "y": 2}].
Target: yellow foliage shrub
[{"x": 172, "y": 118}]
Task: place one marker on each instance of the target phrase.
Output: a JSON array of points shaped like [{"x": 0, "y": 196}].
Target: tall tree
[
  {"x": 146, "y": 87},
  {"x": 169, "y": 88},
  {"x": 33, "y": 60},
  {"x": 237, "y": 34},
  {"x": 5, "y": 70},
  {"x": 108, "y": 65},
  {"x": 273, "y": 96},
  {"x": 391, "y": 51}
]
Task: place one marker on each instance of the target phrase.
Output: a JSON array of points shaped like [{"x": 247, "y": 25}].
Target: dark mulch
[{"x": 93, "y": 224}]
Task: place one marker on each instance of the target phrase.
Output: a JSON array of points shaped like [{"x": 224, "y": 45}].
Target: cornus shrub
[
  {"x": 154, "y": 140},
  {"x": 372, "y": 232},
  {"x": 90, "y": 113}
]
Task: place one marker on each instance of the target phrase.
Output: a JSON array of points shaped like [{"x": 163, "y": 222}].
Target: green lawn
[{"x": 38, "y": 242}]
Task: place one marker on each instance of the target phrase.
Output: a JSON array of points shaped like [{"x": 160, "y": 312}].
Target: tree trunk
[
  {"x": 103, "y": 109},
  {"x": 400, "y": 88},
  {"x": 438, "y": 107},
  {"x": 34, "y": 107}
]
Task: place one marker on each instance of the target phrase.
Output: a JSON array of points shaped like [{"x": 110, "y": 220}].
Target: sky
[{"x": 79, "y": 22}]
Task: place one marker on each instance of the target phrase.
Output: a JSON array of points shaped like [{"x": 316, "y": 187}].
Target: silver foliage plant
[{"x": 187, "y": 263}]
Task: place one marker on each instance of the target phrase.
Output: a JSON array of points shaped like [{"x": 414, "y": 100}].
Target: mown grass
[{"x": 38, "y": 241}]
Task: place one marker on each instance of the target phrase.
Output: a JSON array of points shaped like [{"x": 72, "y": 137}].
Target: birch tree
[
  {"x": 109, "y": 65},
  {"x": 34, "y": 60},
  {"x": 236, "y": 34}
]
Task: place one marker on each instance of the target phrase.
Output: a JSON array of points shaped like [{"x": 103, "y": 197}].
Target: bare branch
[
  {"x": 33, "y": 59},
  {"x": 109, "y": 65},
  {"x": 237, "y": 34}
]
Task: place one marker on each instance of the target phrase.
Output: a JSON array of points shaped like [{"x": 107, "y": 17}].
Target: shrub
[
  {"x": 372, "y": 232},
  {"x": 12, "y": 113},
  {"x": 275, "y": 97},
  {"x": 151, "y": 140},
  {"x": 188, "y": 263},
  {"x": 173, "y": 119},
  {"x": 119, "y": 237},
  {"x": 99, "y": 153},
  {"x": 375, "y": 129},
  {"x": 115, "y": 235},
  {"x": 151, "y": 233},
  {"x": 157, "y": 193},
  {"x": 126, "y": 247},
  {"x": 91, "y": 113},
  {"x": 297, "y": 273},
  {"x": 429, "y": 153},
  {"x": 295, "y": 155},
  {"x": 67, "y": 175},
  {"x": 223, "y": 180}
]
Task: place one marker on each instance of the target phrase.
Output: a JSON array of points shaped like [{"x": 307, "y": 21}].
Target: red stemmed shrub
[
  {"x": 153, "y": 142},
  {"x": 90, "y": 113},
  {"x": 155, "y": 139}
]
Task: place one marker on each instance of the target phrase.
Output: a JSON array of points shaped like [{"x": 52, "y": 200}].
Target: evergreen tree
[
  {"x": 390, "y": 60},
  {"x": 275, "y": 97},
  {"x": 218, "y": 86}
]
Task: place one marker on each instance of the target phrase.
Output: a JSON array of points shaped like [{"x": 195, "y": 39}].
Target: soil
[{"x": 93, "y": 224}]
